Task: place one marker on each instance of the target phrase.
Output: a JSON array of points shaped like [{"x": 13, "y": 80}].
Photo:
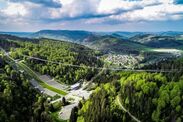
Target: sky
[{"x": 92, "y": 15}]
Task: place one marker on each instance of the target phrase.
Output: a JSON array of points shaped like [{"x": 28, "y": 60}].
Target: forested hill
[
  {"x": 76, "y": 36},
  {"x": 63, "y": 53},
  {"x": 19, "y": 101},
  {"x": 6, "y": 37},
  {"x": 157, "y": 41},
  {"x": 112, "y": 44},
  {"x": 146, "y": 97},
  {"x": 175, "y": 65},
  {"x": 9, "y": 41},
  {"x": 119, "y": 96}
]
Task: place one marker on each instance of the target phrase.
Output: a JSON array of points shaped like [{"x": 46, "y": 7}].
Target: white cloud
[
  {"x": 152, "y": 13},
  {"x": 75, "y": 8},
  {"x": 126, "y": 10},
  {"x": 65, "y": 2},
  {"x": 15, "y": 9},
  {"x": 111, "y": 6},
  {"x": 46, "y": 3},
  {"x": 94, "y": 10},
  {"x": 95, "y": 20},
  {"x": 91, "y": 11}
]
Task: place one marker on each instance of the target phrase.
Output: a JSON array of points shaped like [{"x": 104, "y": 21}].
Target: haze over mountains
[
  {"x": 117, "y": 42},
  {"x": 81, "y": 34}
]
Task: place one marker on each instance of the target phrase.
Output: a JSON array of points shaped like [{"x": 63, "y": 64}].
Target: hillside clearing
[
  {"x": 167, "y": 50},
  {"x": 42, "y": 83}
]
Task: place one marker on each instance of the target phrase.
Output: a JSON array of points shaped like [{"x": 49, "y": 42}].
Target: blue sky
[{"x": 93, "y": 15}]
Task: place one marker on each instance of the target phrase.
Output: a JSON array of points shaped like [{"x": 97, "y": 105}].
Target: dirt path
[{"x": 125, "y": 110}]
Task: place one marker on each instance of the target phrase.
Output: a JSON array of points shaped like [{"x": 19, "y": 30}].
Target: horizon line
[{"x": 89, "y": 31}]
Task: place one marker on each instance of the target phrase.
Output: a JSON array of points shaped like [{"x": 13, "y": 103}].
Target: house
[{"x": 75, "y": 86}]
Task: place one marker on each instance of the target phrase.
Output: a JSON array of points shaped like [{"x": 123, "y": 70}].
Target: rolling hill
[
  {"x": 6, "y": 37},
  {"x": 75, "y": 36},
  {"x": 63, "y": 53},
  {"x": 111, "y": 44},
  {"x": 19, "y": 34},
  {"x": 157, "y": 41}
]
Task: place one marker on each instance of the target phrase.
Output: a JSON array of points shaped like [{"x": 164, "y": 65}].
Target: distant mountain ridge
[
  {"x": 112, "y": 42},
  {"x": 19, "y": 34},
  {"x": 157, "y": 41},
  {"x": 6, "y": 37},
  {"x": 80, "y": 35},
  {"x": 75, "y": 36}
]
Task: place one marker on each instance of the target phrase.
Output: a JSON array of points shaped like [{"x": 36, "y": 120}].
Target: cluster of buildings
[{"x": 125, "y": 61}]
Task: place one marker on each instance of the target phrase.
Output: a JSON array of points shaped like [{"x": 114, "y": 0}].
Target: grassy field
[
  {"x": 166, "y": 50},
  {"x": 42, "y": 83}
]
